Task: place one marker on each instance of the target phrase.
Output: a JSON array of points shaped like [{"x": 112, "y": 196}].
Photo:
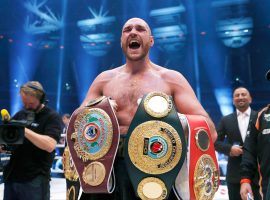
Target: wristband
[{"x": 245, "y": 180}]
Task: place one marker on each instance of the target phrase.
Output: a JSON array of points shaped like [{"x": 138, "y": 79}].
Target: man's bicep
[
  {"x": 94, "y": 91},
  {"x": 187, "y": 103},
  {"x": 185, "y": 98}
]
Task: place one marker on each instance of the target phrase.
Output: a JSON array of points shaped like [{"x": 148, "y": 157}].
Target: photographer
[{"x": 27, "y": 174}]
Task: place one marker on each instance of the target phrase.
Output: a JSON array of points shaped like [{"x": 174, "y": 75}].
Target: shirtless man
[{"x": 139, "y": 76}]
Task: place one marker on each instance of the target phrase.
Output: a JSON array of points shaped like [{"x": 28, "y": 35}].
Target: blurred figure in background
[
  {"x": 232, "y": 131},
  {"x": 58, "y": 165},
  {"x": 65, "y": 119},
  {"x": 256, "y": 152}
]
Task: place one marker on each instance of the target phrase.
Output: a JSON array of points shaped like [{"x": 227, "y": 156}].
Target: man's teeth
[{"x": 133, "y": 41}]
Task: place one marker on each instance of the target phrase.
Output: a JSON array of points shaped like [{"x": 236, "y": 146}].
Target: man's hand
[
  {"x": 244, "y": 190},
  {"x": 236, "y": 150},
  {"x": 2, "y": 149}
]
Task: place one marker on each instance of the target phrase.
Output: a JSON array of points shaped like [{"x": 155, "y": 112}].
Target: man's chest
[
  {"x": 126, "y": 93},
  {"x": 132, "y": 90}
]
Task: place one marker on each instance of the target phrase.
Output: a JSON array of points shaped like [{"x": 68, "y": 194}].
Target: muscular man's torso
[{"x": 126, "y": 89}]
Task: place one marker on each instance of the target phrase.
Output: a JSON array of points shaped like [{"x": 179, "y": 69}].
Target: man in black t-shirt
[{"x": 27, "y": 174}]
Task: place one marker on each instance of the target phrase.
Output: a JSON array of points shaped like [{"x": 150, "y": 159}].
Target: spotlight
[{"x": 67, "y": 86}]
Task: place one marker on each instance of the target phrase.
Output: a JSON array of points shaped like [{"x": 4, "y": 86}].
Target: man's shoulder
[
  {"x": 169, "y": 73},
  {"x": 50, "y": 112},
  {"x": 110, "y": 72},
  {"x": 229, "y": 116}
]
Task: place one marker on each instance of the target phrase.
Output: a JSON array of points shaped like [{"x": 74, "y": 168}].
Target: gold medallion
[
  {"x": 95, "y": 101},
  {"x": 202, "y": 140},
  {"x": 94, "y": 173},
  {"x": 93, "y": 134},
  {"x": 157, "y": 104},
  {"x": 205, "y": 178},
  {"x": 154, "y": 147},
  {"x": 152, "y": 188}
]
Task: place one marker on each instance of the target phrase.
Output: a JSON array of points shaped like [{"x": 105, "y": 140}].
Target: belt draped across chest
[{"x": 155, "y": 147}]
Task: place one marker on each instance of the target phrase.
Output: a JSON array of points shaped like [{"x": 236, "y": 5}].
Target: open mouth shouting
[{"x": 134, "y": 44}]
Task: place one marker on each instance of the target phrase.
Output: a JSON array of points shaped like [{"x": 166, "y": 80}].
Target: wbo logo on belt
[{"x": 93, "y": 138}]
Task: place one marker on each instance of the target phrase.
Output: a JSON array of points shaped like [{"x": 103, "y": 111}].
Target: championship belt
[
  {"x": 70, "y": 171},
  {"x": 92, "y": 137},
  {"x": 156, "y": 147},
  {"x": 72, "y": 177},
  {"x": 201, "y": 163}
]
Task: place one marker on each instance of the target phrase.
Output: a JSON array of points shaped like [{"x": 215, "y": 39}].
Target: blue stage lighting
[
  {"x": 235, "y": 33},
  {"x": 96, "y": 36},
  {"x": 234, "y": 25},
  {"x": 61, "y": 59},
  {"x": 43, "y": 24},
  {"x": 85, "y": 70},
  {"x": 224, "y": 99},
  {"x": 169, "y": 32},
  {"x": 22, "y": 68}
]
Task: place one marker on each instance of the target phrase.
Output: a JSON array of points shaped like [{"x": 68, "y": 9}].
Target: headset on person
[{"x": 42, "y": 99}]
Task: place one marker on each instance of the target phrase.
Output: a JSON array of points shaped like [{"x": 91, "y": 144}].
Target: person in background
[
  {"x": 27, "y": 175},
  {"x": 232, "y": 131},
  {"x": 65, "y": 119},
  {"x": 256, "y": 153},
  {"x": 58, "y": 165}
]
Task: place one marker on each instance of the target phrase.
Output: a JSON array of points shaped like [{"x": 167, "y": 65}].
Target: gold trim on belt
[{"x": 70, "y": 171}]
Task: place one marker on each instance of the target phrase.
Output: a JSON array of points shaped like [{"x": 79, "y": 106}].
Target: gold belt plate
[
  {"x": 94, "y": 173},
  {"x": 152, "y": 188},
  {"x": 155, "y": 147},
  {"x": 205, "y": 178},
  {"x": 157, "y": 104}
]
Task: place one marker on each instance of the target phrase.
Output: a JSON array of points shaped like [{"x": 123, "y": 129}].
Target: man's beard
[
  {"x": 135, "y": 58},
  {"x": 35, "y": 110},
  {"x": 138, "y": 57}
]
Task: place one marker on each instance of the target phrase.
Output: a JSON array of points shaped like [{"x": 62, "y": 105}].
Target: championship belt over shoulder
[
  {"x": 201, "y": 166},
  {"x": 92, "y": 137},
  {"x": 156, "y": 147}
]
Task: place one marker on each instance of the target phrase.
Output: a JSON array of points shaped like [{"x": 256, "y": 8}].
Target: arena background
[{"x": 216, "y": 44}]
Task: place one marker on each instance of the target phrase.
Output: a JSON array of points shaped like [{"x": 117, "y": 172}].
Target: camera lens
[{"x": 10, "y": 135}]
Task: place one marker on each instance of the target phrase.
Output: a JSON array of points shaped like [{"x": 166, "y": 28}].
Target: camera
[{"x": 11, "y": 134}]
